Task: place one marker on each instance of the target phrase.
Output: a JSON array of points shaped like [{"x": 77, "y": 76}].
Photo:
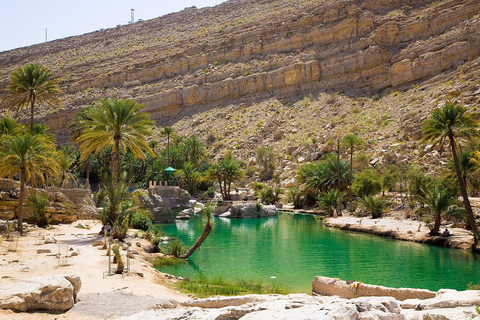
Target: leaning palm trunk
[
  {"x": 463, "y": 190},
  {"x": 205, "y": 233}
]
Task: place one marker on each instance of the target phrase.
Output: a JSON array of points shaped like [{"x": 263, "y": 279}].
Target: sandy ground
[{"x": 101, "y": 296}]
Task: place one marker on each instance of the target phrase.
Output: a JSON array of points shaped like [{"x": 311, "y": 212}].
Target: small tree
[
  {"x": 330, "y": 201},
  {"x": 438, "y": 199},
  {"x": 295, "y": 196},
  {"x": 38, "y": 204},
  {"x": 367, "y": 183},
  {"x": 266, "y": 162}
]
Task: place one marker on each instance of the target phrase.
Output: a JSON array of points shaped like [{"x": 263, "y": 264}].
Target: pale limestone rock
[{"x": 57, "y": 293}]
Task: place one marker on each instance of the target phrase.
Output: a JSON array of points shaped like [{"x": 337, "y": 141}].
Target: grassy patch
[
  {"x": 166, "y": 261},
  {"x": 204, "y": 287}
]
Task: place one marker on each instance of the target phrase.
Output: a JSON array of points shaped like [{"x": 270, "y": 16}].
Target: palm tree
[
  {"x": 167, "y": 131},
  {"x": 225, "y": 173},
  {"x": 207, "y": 213},
  {"x": 189, "y": 176},
  {"x": 117, "y": 124},
  {"x": 29, "y": 85},
  {"x": 9, "y": 126},
  {"x": 438, "y": 199},
  {"x": 330, "y": 201},
  {"x": 193, "y": 150},
  {"x": 30, "y": 157},
  {"x": 352, "y": 141},
  {"x": 452, "y": 122},
  {"x": 323, "y": 175}
]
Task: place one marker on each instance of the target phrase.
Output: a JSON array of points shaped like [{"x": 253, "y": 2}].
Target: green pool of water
[{"x": 296, "y": 248}]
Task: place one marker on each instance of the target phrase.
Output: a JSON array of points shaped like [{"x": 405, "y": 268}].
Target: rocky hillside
[{"x": 293, "y": 74}]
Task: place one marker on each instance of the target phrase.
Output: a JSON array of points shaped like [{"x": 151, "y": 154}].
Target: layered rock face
[
  {"x": 246, "y": 49},
  {"x": 66, "y": 205}
]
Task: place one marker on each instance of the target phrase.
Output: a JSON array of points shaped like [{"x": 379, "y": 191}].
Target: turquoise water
[{"x": 296, "y": 248}]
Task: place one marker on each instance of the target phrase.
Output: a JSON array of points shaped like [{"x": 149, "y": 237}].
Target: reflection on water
[{"x": 296, "y": 248}]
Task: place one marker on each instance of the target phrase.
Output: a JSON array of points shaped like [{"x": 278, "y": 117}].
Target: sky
[{"x": 23, "y": 22}]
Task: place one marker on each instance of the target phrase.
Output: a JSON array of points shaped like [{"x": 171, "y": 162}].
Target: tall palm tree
[
  {"x": 207, "y": 213},
  {"x": 30, "y": 85},
  {"x": 117, "y": 124},
  {"x": 352, "y": 142},
  {"x": 453, "y": 122},
  {"x": 30, "y": 157},
  {"x": 225, "y": 173},
  {"x": 193, "y": 150},
  {"x": 167, "y": 131}
]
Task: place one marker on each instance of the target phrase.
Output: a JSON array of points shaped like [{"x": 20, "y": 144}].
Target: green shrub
[
  {"x": 38, "y": 204},
  {"x": 141, "y": 221},
  {"x": 175, "y": 248},
  {"x": 294, "y": 195},
  {"x": 204, "y": 287},
  {"x": 374, "y": 206},
  {"x": 167, "y": 261},
  {"x": 367, "y": 183}
]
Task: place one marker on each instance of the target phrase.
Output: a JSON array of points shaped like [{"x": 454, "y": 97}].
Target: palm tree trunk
[
  {"x": 87, "y": 174},
  {"x": 32, "y": 106},
  {"x": 436, "y": 225},
  {"x": 168, "y": 150},
  {"x": 115, "y": 162},
  {"x": 20, "y": 201},
  {"x": 463, "y": 190},
  {"x": 351, "y": 174},
  {"x": 206, "y": 231}
]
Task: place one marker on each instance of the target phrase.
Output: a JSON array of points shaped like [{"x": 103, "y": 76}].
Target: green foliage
[
  {"x": 189, "y": 177},
  {"x": 167, "y": 262},
  {"x": 374, "y": 206},
  {"x": 331, "y": 200},
  {"x": 323, "y": 175},
  {"x": 367, "y": 183},
  {"x": 295, "y": 196},
  {"x": 176, "y": 248},
  {"x": 38, "y": 204},
  {"x": 270, "y": 194},
  {"x": 141, "y": 221},
  {"x": 204, "y": 287},
  {"x": 266, "y": 160},
  {"x": 226, "y": 172}
]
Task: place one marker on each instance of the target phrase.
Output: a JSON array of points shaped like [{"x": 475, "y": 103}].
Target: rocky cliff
[{"x": 243, "y": 48}]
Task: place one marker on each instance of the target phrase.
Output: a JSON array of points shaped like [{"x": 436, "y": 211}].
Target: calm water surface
[{"x": 296, "y": 248}]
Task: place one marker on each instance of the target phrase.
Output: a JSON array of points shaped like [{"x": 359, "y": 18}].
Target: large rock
[
  {"x": 55, "y": 293},
  {"x": 165, "y": 202},
  {"x": 330, "y": 286},
  {"x": 252, "y": 210}
]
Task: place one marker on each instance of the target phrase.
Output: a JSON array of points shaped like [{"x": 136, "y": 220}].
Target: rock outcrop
[
  {"x": 248, "y": 210},
  {"x": 165, "y": 202},
  {"x": 334, "y": 287},
  {"x": 53, "y": 293},
  {"x": 66, "y": 205},
  {"x": 303, "y": 307}
]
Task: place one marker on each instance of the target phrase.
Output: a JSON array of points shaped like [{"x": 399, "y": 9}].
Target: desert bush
[
  {"x": 175, "y": 248},
  {"x": 374, "y": 206},
  {"x": 367, "y": 183},
  {"x": 294, "y": 195}
]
